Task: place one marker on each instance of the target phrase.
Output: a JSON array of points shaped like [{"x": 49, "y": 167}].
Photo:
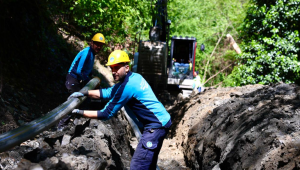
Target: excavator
[{"x": 163, "y": 65}]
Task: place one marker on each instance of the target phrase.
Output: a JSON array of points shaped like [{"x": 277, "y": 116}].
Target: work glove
[
  {"x": 77, "y": 112},
  {"x": 75, "y": 95}
]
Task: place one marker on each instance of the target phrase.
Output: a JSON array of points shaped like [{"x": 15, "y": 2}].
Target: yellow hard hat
[
  {"x": 99, "y": 38},
  {"x": 117, "y": 56}
]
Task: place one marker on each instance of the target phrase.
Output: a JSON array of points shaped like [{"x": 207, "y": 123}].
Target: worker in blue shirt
[
  {"x": 134, "y": 93},
  {"x": 81, "y": 67}
]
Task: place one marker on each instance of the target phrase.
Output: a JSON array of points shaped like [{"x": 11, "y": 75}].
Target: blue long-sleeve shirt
[
  {"x": 83, "y": 64},
  {"x": 135, "y": 94}
]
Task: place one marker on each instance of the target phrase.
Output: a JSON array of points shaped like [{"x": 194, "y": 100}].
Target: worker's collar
[
  {"x": 126, "y": 78},
  {"x": 92, "y": 50}
]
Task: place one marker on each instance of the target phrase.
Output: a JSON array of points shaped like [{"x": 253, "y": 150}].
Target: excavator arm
[{"x": 160, "y": 24}]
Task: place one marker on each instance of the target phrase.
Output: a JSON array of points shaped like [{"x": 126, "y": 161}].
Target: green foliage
[
  {"x": 116, "y": 19},
  {"x": 234, "y": 79},
  {"x": 207, "y": 21},
  {"x": 230, "y": 55},
  {"x": 271, "y": 43}
]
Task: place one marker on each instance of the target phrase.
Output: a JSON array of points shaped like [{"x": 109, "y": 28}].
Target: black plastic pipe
[{"x": 31, "y": 129}]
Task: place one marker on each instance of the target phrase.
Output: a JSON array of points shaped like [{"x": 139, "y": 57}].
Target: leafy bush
[
  {"x": 271, "y": 44},
  {"x": 114, "y": 18}
]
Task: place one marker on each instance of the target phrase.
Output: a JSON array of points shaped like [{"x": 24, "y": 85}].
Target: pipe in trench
[{"x": 33, "y": 128}]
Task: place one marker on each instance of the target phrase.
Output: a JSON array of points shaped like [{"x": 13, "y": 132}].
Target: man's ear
[{"x": 127, "y": 68}]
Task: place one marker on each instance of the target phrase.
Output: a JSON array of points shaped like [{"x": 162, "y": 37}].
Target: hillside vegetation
[{"x": 271, "y": 44}]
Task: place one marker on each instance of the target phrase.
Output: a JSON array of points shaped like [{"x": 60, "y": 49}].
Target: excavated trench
[{"x": 250, "y": 127}]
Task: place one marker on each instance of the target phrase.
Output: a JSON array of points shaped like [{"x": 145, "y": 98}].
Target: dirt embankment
[
  {"x": 250, "y": 127},
  {"x": 253, "y": 129},
  {"x": 188, "y": 113}
]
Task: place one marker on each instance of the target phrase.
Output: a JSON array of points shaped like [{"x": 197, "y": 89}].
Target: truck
[{"x": 162, "y": 65}]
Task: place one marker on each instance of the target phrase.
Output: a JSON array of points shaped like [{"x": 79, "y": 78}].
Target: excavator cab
[
  {"x": 153, "y": 60},
  {"x": 181, "y": 62},
  {"x": 182, "y": 56}
]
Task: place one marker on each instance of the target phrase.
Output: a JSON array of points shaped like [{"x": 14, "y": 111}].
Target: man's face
[
  {"x": 119, "y": 71},
  {"x": 96, "y": 46},
  {"x": 195, "y": 74}
]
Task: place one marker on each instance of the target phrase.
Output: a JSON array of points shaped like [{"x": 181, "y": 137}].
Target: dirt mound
[
  {"x": 253, "y": 130},
  {"x": 189, "y": 112}
]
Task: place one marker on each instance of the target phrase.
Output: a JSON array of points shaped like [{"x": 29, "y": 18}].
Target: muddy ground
[{"x": 250, "y": 127}]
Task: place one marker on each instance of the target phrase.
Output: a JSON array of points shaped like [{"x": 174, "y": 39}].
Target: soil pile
[
  {"x": 188, "y": 113},
  {"x": 252, "y": 130}
]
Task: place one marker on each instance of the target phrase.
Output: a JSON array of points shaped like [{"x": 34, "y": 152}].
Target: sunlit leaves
[
  {"x": 271, "y": 43},
  {"x": 111, "y": 17}
]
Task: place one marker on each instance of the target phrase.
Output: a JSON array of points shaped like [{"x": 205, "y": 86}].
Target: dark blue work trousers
[
  {"x": 73, "y": 85},
  {"x": 146, "y": 153}
]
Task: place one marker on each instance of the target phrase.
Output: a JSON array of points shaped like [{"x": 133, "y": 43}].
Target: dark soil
[{"x": 253, "y": 130}]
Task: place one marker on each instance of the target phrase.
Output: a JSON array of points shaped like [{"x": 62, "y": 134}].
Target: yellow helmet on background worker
[
  {"x": 99, "y": 38},
  {"x": 118, "y": 56}
]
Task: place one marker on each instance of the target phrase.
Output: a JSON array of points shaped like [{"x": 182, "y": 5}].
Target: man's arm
[
  {"x": 90, "y": 114},
  {"x": 82, "y": 68},
  {"x": 107, "y": 93},
  {"x": 83, "y": 56},
  {"x": 86, "y": 113},
  {"x": 111, "y": 108},
  {"x": 95, "y": 94}
]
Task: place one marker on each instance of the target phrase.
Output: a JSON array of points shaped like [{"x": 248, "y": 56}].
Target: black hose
[{"x": 31, "y": 129}]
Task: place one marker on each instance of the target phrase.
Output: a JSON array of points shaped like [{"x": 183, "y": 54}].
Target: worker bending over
[{"x": 134, "y": 93}]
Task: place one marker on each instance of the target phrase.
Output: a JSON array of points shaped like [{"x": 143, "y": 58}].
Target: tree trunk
[{"x": 233, "y": 44}]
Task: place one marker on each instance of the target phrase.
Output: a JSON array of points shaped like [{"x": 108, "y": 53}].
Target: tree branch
[
  {"x": 217, "y": 73},
  {"x": 233, "y": 44},
  {"x": 213, "y": 53}
]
